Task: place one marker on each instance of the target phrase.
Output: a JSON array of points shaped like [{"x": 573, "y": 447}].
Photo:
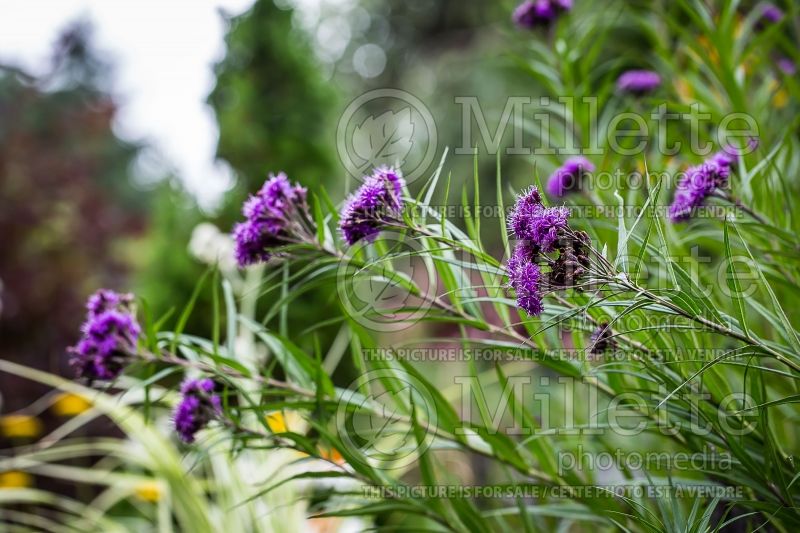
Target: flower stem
[{"x": 710, "y": 324}]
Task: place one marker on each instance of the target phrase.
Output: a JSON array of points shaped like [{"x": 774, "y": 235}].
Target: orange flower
[
  {"x": 332, "y": 454},
  {"x": 710, "y": 49}
]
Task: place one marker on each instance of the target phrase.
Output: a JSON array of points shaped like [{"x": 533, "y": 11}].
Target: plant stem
[
  {"x": 741, "y": 205},
  {"x": 719, "y": 328},
  {"x": 283, "y": 385}
]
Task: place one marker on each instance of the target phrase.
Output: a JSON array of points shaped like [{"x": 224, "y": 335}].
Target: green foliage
[
  {"x": 68, "y": 209},
  {"x": 704, "y": 356},
  {"x": 273, "y": 104},
  {"x": 166, "y": 272}
]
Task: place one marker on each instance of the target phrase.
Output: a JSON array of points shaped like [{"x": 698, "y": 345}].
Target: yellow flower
[
  {"x": 149, "y": 491},
  {"x": 20, "y": 426},
  {"x": 14, "y": 479},
  {"x": 67, "y": 404},
  {"x": 780, "y": 99},
  {"x": 738, "y": 27},
  {"x": 277, "y": 422},
  {"x": 684, "y": 90}
]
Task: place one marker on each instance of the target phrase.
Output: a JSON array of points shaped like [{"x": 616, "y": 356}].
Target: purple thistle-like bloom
[
  {"x": 533, "y": 13},
  {"x": 725, "y": 159},
  {"x": 540, "y": 225},
  {"x": 772, "y": 13},
  {"x": 543, "y": 230},
  {"x": 269, "y": 214},
  {"x": 699, "y": 182},
  {"x": 198, "y": 405},
  {"x": 568, "y": 177},
  {"x": 639, "y": 82},
  {"x": 375, "y": 203},
  {"x": 787, "y": 66},
  {"x": 109, "y": 337},
  {"x": 525, "y": 277},
  {"x": 105, "y": 299}
]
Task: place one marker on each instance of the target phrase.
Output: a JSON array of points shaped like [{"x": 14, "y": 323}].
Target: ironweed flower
[
  {"x": 572, "y": 261},
  {"x": 569, "y": 176},
  {"x": 108, "y": 339},
  {"x": 639, "y": 82},
  {"x": 543, "y": 230},
  {"x": 525, "y": 277},
  {"x": 533, "y": 13},
  {"x": 699, "y": 182},
  {"x": 771, "y": 13},
  {"x": 273, "y": 218},
  {"x": 532, "y": 221},
  {"x": 787, "y": 66},
  {"x": 374, "y": 205},
  {"x": 199, "y": 405},
  {"x": 106, "y": 300}
]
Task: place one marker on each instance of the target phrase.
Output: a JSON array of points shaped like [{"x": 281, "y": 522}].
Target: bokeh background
[{"x": 127, "y": 128}]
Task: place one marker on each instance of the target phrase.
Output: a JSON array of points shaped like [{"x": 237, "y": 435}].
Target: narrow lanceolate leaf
[
  {"x": 319, "y": 220},
  {"x": 230, "y": 317},
  {"x": 735, "y": 287},
  {"x": 431, "y": 185},
  {"x": 187, "y": 311},
  {"x": 502, "y": 211},
  {"x": 622, "y": 236},
  {"x": 788, "y": 330},
  {"x": 477, "y": 196}
]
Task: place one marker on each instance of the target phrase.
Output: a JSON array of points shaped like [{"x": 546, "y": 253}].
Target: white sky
[{"x": 162, "y": 52}]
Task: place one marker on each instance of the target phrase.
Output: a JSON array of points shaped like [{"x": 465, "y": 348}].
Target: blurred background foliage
[
  {"x": 275, "y": 108},
  {"x": 73, "y": 212},
  {"x": 74, "y": 217},
  {"x": 68, "y": 209}
]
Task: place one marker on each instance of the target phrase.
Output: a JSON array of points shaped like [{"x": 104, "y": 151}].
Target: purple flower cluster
[
  {"x": 569, "y": 176},
  {"x": 787, "y": 66},
  {"x": 638, "y": 82},
  {"x": 533, "y": 13},
  {"x": 199, "y": 405},
  {"x": 535, "y": 223},
  {"x": 772, "y": 13},
  {"x": 376, "y": 203},
  {"x": 699, "y": 182},
  {"x": 542, "y": 230},
  {"x": 525, "y": 277},
  {"x": 271, "y": 219},
  {"x": 109, "y": 336}
]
